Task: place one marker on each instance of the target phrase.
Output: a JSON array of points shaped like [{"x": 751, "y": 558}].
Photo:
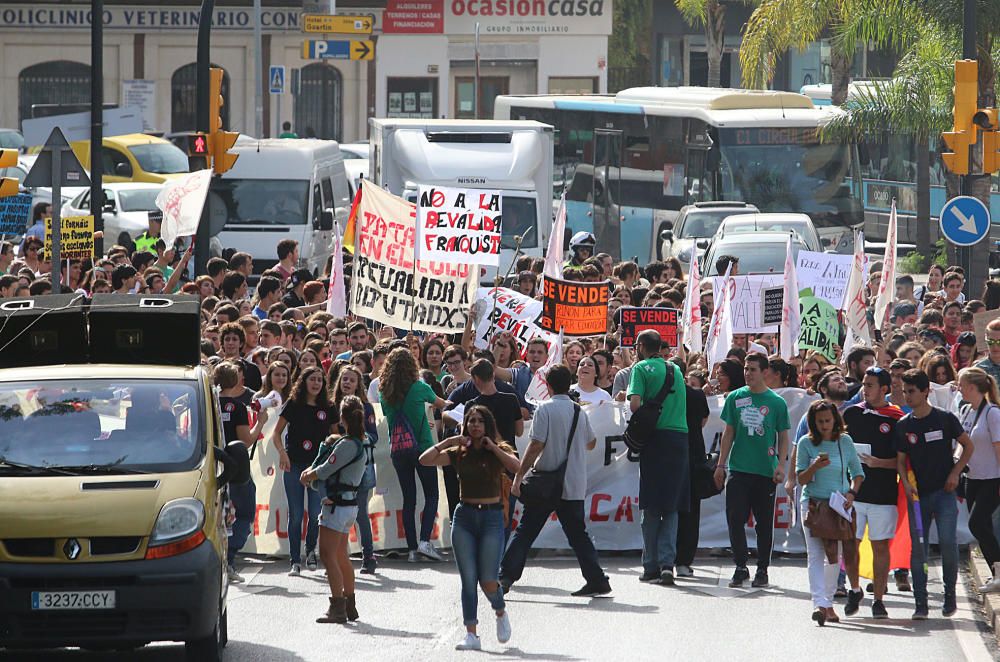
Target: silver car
[{"x": 694, "y": 228}]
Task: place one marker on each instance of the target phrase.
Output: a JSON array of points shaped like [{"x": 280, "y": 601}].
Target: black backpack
[{"x": 642, "y": 425}]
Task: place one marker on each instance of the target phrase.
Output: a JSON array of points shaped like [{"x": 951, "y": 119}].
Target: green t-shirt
[
  {"x": 646, "y": 381},
  {"x": 288, "y": 134},
  {"x": 413, "y": 408},
  {"x": 757, "y": 418}
]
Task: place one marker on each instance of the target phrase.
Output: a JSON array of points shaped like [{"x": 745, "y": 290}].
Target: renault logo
[{"x": 72, "y": 549}]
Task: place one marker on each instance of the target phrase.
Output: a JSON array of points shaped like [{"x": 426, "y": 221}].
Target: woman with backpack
[
  {"x": 309, "y": 419},
  {"x": 477, "y": 527},
  {"x": 403, "y": 396},
  {"x": 981, "y": 420},
  {"x": 351, "y": 383},
  {"x": 338, "y": 468}
]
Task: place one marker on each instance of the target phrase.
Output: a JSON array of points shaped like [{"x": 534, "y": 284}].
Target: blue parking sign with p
[{"x": 277, "y": 79}]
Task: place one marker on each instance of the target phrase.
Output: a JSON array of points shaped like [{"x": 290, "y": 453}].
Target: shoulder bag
[
  {"x": 826, "y": 523},
  {"x": 642, "y": 425},
  {"x": 544, "y": 488}
]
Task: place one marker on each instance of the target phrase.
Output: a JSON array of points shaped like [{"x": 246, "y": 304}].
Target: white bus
[{"x": 629, "y": 162}]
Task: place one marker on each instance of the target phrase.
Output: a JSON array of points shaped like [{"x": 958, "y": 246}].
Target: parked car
[
  {"x": 758, "y": 252},
  {"x": 11, "y": 139},
  {"x": 776, "y": 222},
  {"x": 696, "y": 224},
  {"x": 126, "y": 209},
  {"x": 354, "y": 151}
]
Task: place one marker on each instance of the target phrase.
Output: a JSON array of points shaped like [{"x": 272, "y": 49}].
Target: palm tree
[
  {"x": 915, "y": 103},
  {"x": 712, "y": 15}
]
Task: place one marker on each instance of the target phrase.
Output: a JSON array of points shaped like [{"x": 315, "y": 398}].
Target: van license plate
[{"x": 73, "y": 600}]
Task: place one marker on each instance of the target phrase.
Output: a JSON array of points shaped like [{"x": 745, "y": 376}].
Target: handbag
[
  {"x": 642, "y": 425},
  {"x": 703, "y": 476},
  {"x": 826, "y": 523},
  {"x": 544, "y": 488}
]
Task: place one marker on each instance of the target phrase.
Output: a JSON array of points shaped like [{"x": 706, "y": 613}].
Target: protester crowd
[{"x": 277, "y": 353}]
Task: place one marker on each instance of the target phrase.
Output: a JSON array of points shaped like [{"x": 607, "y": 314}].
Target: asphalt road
[{"x": 412, "y": 612}]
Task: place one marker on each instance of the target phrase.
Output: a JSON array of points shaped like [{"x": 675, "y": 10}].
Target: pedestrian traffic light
[
  {"x": 219, "y": 141},
  {"x": 197, "y": 145},
  {"x": 8, "y": 185},
  {"x": 963, "y": 133}
]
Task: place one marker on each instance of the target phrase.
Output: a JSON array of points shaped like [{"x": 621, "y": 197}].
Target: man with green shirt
[
  {"x": 754, "y": 446},
  {"x": 286, "y": 131},
  {"x": 664, "y": 476}
]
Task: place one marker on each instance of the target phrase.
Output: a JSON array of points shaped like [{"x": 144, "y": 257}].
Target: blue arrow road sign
[
  {"x": 277, "y": 79},
  {"x": 965, "y": 220}
]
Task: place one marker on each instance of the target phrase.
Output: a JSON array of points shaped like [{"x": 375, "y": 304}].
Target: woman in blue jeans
[
  {"x": 477, "y": 526},
  {"x": 309, "y": 419},
  {"x": 403, "y": 396}
]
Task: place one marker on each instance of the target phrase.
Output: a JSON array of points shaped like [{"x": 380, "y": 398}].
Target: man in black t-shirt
[
  {"x": 503, "y": 406},
  {"x": 925, "y": 440},
  {"x": 688, "y": 522},
  {"x": 236, "y": 427},
  {"x": 873, "y": 423}
]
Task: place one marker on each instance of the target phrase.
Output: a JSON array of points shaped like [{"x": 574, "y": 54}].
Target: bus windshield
[{"x": 789, "y": 170}]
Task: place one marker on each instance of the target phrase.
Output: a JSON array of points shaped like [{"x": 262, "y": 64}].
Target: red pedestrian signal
[{"x": 199, "y": 146}]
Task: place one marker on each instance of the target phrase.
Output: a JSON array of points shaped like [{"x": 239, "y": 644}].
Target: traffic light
[
  {"x": 197, "y": 145},
  {"x": 219, "y": 141},
  {"x": 8, "y": 185},
  {"x": 963, "y": 134}
]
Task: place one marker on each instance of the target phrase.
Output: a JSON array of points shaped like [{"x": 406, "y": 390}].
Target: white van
[{"x": 281, "y": 189}]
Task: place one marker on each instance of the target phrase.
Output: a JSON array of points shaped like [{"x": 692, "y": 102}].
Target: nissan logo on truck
[{"x": 471, "y": 180}]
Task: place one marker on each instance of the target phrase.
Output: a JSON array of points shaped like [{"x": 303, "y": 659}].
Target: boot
[
  {"x": 337, "y": 613},
  {"x": 352, "y": 609},
  {"x": 993, "y": 585}
]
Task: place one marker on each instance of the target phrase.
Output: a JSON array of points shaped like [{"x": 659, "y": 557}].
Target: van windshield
[
  {"x": 160, "y": 158},
  {"x": 259, "y": 201},
  {"x": 100, "y": 424}
]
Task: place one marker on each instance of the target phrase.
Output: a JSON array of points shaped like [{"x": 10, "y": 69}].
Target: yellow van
[
  {"x": 112, "y": 525},
  {"x": 136, "y": 157}
]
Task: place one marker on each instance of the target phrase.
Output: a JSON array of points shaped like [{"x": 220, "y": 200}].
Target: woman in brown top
[{"x": 477, "y": 525}]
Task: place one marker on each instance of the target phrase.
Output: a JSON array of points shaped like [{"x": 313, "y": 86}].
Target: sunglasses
[{"x": 993, "y": 342}]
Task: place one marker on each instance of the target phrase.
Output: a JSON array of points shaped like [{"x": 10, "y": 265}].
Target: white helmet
[{"x": 583, "y": 239}]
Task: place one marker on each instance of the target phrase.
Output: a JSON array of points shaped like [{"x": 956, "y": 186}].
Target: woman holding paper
[{"x": 825, "y": 458}]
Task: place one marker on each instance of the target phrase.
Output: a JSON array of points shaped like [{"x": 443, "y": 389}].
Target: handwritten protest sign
[
  {"x": 76, "y": 238},
  {"x": 501, "y": 310},
  {"x": 826, "y": 274},
  {"x": 746, "y": 301},
  {"x": 459, "y": 224},
  {"x": 580, "y": 309},
  {"x": 819, "y": 326},
  {"x": 389, "y": 286},
  {"x": 637, "y": 320},
  {"x": 14, "y": 213},
  {"x": 773, "y": 302}
]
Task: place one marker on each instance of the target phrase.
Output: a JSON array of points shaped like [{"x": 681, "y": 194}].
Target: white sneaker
[
  {"x": 503, "y": 628},
  {"x": 311, "y": 562},
  {"x": 993, "y": 585},
  {"x": 234, "y": 577},
  {"x": 295, "y": 570},
  {"x": 683, "y": 571},
  {"x": 470, "y": 643},
  {"x": 412, "y": 556},
  {"x": 427, "y": 549}
]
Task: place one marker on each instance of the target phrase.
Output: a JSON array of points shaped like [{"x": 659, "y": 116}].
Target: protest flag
[
  {"x": 181, "y": 200},
  {"x": 538, "y": 389},
  {"x": 720, "y": 334},
  {"x": 691, "y": 322},
  {"x": 554, "y": 254},
  {"x": 887, "y": 286},
  {"x": 351, "y": 231},
  {"x": 336, "y": 301},
  {"x": 791, "y": 321},
  {"x": 855, "y": 306},
  {"x": 899, "y": 547}
]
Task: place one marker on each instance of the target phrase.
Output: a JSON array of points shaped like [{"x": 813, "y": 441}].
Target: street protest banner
[
  {"x": 388, "y": 286},
  {"x": 580, "y": 309},
  {"x": 14, "y": 213},
  {"x": 181, "y": 200},
  {"x": 76, "y": 238},
  {"x": 826, "y": 274},
  {"x": 820, "y": 328},
  {"x": 500, "y": 310},
  {"x": 636, "y": 320},
  {"x": 611, "y": 505},
  {"x": 746, "y": 301},
  {"x": 457, "y": 224}
]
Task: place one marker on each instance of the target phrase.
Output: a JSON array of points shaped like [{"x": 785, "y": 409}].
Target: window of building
[
  {"x": 60, "y": 82},
  {"x": 318, "y": 109},
  {"x": 412, "y": 97},
  {"x": 572, "y": 85},
  {"x": 490, "y": 87}
]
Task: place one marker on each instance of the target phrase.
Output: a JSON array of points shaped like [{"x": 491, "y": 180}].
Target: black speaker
[
  {"x": 45, "y": 330},
  {"x": 145, "y": 329}
]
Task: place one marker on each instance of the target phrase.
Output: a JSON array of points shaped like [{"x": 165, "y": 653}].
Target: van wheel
[{"x": 209, "y": 649}]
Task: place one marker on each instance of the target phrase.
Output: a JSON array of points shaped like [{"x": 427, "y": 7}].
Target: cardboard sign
[
  {"x": 500, "y": 310},
  {"x": 979, "y": 322},
  {"x": 389, "y": 285},
  {"x": 76, "y": 238},
  {"x": 826, "y": 274},
  {"x": 14, "y": 213},
  {"x": 746, "y": 297},
  {"x": 636, "y": 320},
  {"x": 580, "y": 309},
  {"x": 455, "y": 224},
  {"x": 819, "y": 327},
  {"x": 771, "y": 305}
]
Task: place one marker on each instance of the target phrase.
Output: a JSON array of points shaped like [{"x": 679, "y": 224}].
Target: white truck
[{"x": 513, "y": 156}]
